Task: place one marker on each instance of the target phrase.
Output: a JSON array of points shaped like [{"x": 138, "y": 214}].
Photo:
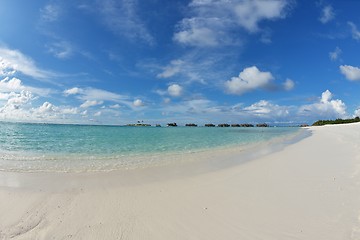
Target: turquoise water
[{"x": 50, "y": 147}]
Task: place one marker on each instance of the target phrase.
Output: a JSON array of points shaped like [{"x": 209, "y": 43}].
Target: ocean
[{"x": 28, "y": 147}]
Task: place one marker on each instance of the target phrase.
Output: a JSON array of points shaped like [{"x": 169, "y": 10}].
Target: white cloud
[
  {"x": 138, "y": 103},
  {"x": 249, "y": 13},
  {"x": 175, "y": 90},
  {"x": 335, "y": 54},
  {"x": 350, "y": 72},
  {"x": 100, "y": 94},
  {"x": 91, "y": 103},
  {"x": 121, "y": 18},
  {"x": 15, "y": 85},
  {"x": 73, "y": 91},
  {"x": 195, "y": 66},
  {"x": 289, "y": 84},
  {"x": 249, "y": 79},
  {"x": 266, "y": 109},
  {"x": 97, "y": 114},
  {"x": 327, "y": 14},
  {"x": 15, "y": 105},
  {"x": 20, "y": 98},
  {"x": 71, "y": 110},
  {"x": 355, "y": 32},
  {"x": 115, "y": 106},
  {"x": 12, "y": 61},
  {"x": 213, "y": 22},
  {"x": 11, "y": 84},
  {"x": 46, "y": 107},
  {"x": 172, "y": 69},
  {"x": 326, "y": 107},
  {"x": 195, "y": 32}
]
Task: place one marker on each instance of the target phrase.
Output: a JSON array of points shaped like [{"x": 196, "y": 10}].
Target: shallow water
[{"x": 51, "y": 147}]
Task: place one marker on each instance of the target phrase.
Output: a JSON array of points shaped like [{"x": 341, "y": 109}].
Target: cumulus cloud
[
  {"x": 15, "y": 85},
  {"x": 138, "y": 103},
  {"x": 351, "y": 73},
  {"x": 212, "y": 22},
  {"x": 12, "y": 61},
  {"x": 250, "y": 13},
  {"x": 327, "y": 14},
  {"x": 334, "y": 55},
  {"x": 175, "y": 90},
  {"x": 354, "y": 30},
  {"x": 249, "y": 79},
  {"x": 288, "y": 84},
  {"x": 46, "y": 107},
  {"x": 326, "y": 107}
]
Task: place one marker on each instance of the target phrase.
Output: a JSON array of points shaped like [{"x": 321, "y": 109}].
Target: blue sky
[{"x": 235, "y": 61}]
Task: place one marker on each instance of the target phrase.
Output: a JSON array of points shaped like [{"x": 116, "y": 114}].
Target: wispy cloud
[
  {"x": 61, "y": 49},
  {"x": 327, "y": 14},
  {"x": 354, "y": 31},
  {"x": 334, "y": 55},
  {"x": 50, "y": 13},
  {"x": 12, "y": 61},
  {"x": 212, "y": 23},
  {"x": 195, "y": 66},
  {"x": 122, "y": 18},
  {"x": 94, "y": 96}
]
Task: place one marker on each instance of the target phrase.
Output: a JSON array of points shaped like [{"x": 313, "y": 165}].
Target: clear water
[{"x": 49, "y": 147}]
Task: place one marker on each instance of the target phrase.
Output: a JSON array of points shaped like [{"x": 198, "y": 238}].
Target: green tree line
[{"x": 337, "y": 121}]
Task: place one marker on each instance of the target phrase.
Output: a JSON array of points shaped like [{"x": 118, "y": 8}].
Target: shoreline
[
  {"x": 308, "y": 189},
  {"x": 182, "y": 166},
  {"x": 161, "y": 159}
]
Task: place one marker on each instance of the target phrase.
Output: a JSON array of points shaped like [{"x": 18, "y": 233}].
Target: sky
[{"x": 283, "y": 62}]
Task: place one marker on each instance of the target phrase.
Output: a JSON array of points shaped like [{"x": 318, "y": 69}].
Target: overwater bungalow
[
  {"x": 262, "y": 125},
  {"x": 223, "y": 125}
]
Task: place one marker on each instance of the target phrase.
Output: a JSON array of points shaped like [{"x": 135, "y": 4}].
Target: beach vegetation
[{"x": 337, "y": 121}]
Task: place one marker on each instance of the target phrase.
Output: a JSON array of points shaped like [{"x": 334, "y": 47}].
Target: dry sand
[{"x": 308, "y": 190}]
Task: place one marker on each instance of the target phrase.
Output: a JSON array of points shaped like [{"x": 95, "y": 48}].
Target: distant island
[
  {"x": 174, "y": 124},
  {"x": 337, "y": 121}
]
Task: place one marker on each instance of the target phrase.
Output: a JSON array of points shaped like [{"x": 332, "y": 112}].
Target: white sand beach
[{"x": 308, "y": 190}]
